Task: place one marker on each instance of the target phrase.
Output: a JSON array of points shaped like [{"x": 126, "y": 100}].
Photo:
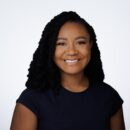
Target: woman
[{"x": 65, "y": 88}]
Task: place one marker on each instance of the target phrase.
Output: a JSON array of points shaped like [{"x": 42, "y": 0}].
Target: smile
[{"x": 71, "y": 61}]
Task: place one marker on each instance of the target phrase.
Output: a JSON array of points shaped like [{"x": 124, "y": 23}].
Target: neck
[{"x": 75, "y": 82}]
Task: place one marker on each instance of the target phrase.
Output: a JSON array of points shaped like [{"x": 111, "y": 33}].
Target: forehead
[{"x": 73, "y": 28}]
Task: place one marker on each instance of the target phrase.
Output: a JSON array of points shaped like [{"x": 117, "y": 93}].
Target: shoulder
[
  {"x": 32, "y": 99},
  {"x": 34, "y": 93},
  {"x": 107, "y": 93},
  {"x": 112, "y": 99},
  {"x": 105, "y": 88},
  {"x": 28, "y": 94}
]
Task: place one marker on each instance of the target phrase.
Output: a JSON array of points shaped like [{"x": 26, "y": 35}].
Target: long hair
[{"x": 43, "y": 73}]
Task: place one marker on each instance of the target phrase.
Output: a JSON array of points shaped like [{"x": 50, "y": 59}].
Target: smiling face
[{"x": 73, "y": 49}]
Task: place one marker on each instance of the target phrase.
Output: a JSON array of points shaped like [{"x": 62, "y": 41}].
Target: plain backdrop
[{"x": 21, "y": 26}]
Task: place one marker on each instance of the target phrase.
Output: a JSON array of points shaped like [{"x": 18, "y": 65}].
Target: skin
[
  {"x": 23, "y": 119},
  {"x": 73, "y": 43}
]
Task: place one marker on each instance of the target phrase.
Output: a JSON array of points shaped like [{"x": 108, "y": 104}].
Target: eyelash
[
  {"x": 63, "y": 43},
  {"x": 81, "y": 42},
  {"x": 60, "y": 43}
]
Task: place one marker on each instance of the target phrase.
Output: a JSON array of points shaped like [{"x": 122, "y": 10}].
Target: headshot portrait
[
  {"x": 65, "y": 88},
  {"x": 66, "y": 68}
]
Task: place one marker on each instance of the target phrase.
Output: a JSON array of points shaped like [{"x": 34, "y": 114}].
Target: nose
[{"x": 72, "y": 50}]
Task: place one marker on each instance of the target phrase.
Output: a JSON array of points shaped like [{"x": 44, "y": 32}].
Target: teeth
[{"x": 71, "y": 61}]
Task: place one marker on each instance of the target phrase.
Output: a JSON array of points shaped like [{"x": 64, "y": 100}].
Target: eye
[
  {"x": 60, "y": 43},
  {"x": 81, "y": 42}
]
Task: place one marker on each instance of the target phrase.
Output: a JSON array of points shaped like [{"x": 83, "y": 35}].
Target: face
[{"x": 73, "y": 49}]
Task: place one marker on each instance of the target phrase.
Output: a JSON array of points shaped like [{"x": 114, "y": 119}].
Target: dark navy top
[{"x": 87, "y": 110}]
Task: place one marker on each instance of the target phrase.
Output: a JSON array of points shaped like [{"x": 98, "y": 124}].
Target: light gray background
[{"x": 21, "y": 25}]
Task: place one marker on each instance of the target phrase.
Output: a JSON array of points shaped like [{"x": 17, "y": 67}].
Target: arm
[
  {"x": 117, "y": 121},
  {"x": 23, "y": 119}
]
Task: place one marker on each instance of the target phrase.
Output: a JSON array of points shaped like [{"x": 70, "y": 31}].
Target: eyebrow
[
  {"x": 61, "y": 38},
  {"x": 80, "y": 37}
]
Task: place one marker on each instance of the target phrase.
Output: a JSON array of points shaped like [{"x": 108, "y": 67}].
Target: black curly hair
[{"x": 43, "y": 73}]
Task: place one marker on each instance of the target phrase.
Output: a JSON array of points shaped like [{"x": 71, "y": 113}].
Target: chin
[{"x": 72, "y": 72}]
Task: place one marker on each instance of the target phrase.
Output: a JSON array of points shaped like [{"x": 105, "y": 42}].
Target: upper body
[
  {"x": 96, "y": 108},
  {"x": 68, "y": 61}
]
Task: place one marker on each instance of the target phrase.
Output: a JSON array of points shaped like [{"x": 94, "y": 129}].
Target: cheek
[
  {"x": 86, "y": 52},
  {"x": 57, "y": 54},
  {"x": 87, "y": 56}
]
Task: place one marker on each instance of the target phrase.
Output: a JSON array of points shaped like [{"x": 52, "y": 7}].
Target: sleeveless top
[{"x": 87, "y": 110}]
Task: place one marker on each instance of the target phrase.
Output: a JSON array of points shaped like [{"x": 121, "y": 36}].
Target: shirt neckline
[{"x": 76, "y": 93}]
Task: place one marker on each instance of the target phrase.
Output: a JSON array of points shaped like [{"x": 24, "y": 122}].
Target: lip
[{"x": 71, "y": 61}]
